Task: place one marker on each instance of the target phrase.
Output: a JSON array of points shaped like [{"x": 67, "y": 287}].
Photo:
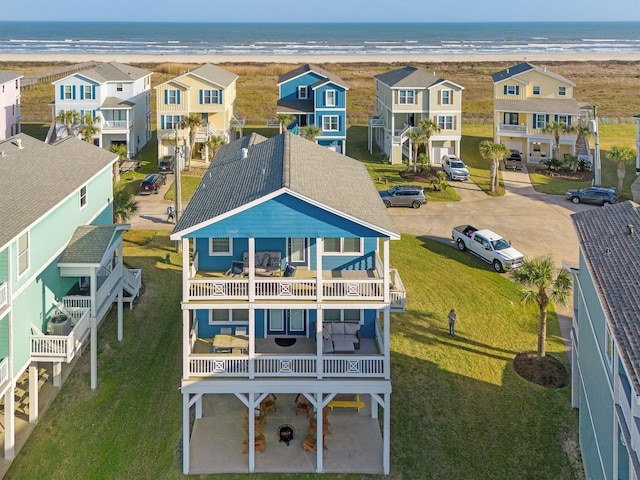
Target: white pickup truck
[{"x": 489, "y": 246}]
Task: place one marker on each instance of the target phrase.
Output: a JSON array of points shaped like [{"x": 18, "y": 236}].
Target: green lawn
[{"x": 458, "y": 407}]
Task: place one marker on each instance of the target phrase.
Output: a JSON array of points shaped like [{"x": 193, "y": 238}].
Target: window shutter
[
  {"x": 439, "y": 97},
  {"x": 450, "y": 97},
  {"x": 220, "y": 97},
  {"x": 166, "y": 97},
  {"x": 546, "y": 118},
  {"x": 517, "y": 89},
  {"x": 73, "y": 92},
  {"x": 455, "y": 122},
  {"x": 200, "y": 96},
  {"x": 178, "y": 96},
  {"x": 93, "y": 92},
  {"x": 555, "y": 118},
  {"x": 93, "y": 115},
  {"x": 397, "y": 96},
  {"x": 61, "y": 92},
  {"x": 82, "y": 93},
  {"x": 162, "y": 120},
  {"x": 568, "y": 119},
  {"x": 504, "y": 89}
]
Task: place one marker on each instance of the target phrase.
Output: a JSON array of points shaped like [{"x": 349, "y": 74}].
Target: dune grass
[{"x": 458, "y": 407}]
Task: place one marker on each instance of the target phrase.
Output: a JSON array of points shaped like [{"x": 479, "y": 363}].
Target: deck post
[
  {"x": 319, "y": 432},
  {"x": 386, "y": 274},
  {"x": 94, "y": 351},
  {"x": 319, "y": 250},
  {"x": 185, "y": 433},
  {"x": 186, "y": 344},
  {"x": 386, "y": 434},
  {"x": 10, "y": 422},
  {"x": 252, "y": 342},
  {"x": 57, "y": 374},
  {"x": 319, "y": 343},
  {"x": 387, "y": 336},
  {"x": 251, "y": 445},
  {"x": 120, "y": 326},
  {"x": 252, "y": 269},
  {"x": 33, "y": 392}
]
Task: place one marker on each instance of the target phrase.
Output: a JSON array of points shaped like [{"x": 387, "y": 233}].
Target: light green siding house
[{"x": 61, "y": 261}]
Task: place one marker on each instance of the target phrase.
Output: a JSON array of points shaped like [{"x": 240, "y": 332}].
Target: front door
[
  {"x": 297, "y": 251},
  {"x": 287, "y": 322}
]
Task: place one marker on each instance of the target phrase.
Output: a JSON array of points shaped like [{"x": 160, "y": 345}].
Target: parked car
[
  {"x": 514, "y": 160},
  {"x": 455, "y": 168},
  {"x": 489, "y": 246},
  {"x": 165, "y": 165},
  {"x": 595, "y": 195},
  {"x": 404, "y": 196},
  {"x": 152, "y": 183}
]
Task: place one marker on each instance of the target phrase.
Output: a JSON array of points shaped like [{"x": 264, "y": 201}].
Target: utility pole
[
  {"x": 178, "y": 190},
  {"x": 596, "y": 148}
]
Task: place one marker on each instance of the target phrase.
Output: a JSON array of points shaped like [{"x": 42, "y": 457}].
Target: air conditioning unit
[{"x": 59, "y": 324}]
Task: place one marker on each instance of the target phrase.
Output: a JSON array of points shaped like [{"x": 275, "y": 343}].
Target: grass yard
[{"x": 458, "y": 407}]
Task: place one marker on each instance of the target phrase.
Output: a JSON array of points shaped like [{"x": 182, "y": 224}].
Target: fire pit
[{"x": 286, "y": 433}]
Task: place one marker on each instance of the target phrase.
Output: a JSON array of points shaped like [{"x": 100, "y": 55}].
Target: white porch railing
[
  {"x": 270, "y": 365},
  {"x": 277, "y": 288},
  {"x": 4, "y": 375},
  {"x": 62, "y": 348},
  {"x": 104, "y": 295},
  {"x": 4, "y": 298},
  {"x": 512, "y": 128},
  {"x": 114, "y": 125},
  {"x": 397, "y": 293},
  {"x": 376, "y": 122}
]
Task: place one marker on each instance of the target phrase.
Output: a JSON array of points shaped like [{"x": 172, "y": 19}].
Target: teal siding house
[
  {"x": 606, "y": 341},
  {"x": 287, "y": 292},
  {"x": 316, "y": 97},
  {"x": 61, "y": 263}
]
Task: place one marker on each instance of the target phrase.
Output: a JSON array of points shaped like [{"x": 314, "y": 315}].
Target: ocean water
[{"x": 313, "y": 39}]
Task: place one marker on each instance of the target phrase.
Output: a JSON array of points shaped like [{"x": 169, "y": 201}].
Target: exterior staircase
[
  {"x": 583, "y": 152},
  {"x": 132, "y": 282}
]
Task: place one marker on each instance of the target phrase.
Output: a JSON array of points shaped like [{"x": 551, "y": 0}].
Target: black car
[
  {"x": 165, "y": 165},
  {"x": 514, "y": 160},
  {"x": 596, "y": 195},
  {"x": 152, "y": 183}
]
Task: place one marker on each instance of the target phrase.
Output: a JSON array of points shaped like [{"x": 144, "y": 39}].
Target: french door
[{"x": 287, "y": 322}]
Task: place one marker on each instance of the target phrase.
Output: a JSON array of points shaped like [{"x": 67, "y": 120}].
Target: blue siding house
[
  {"x": 316, "y": 97},
  {"x": 287, "y": 291},
  {"x": 606, "y": 341},
  {"x": 61, "y": 266}
]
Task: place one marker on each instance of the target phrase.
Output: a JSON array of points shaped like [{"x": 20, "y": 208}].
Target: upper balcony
[
  {"x": 304, "y": 285},
  {"x": 109, "y": 125}
]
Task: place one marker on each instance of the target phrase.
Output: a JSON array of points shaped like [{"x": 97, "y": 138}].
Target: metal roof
[
  {"x": 612, "y": 255},
  {"x": 289, "y": 162},
  {"x": 38, "y": 176}
]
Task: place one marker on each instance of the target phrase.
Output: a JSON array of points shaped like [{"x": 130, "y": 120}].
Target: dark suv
[
  {"x": 596, "y": 195},
  {"x": 404, "y": 196},
  {"x": 165, "y": 165},
  {"x": 152, "y": 183},
  {"x": 514, "y": 160}
]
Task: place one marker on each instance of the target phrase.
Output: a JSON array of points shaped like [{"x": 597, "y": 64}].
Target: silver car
[{"x": 404, "y": 196}]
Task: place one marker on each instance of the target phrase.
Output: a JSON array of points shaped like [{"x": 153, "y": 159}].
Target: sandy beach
[{"x": 296, "y": 59}]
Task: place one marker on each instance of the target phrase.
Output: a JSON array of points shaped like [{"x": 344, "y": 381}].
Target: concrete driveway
[{"x": 152, "y": 210}]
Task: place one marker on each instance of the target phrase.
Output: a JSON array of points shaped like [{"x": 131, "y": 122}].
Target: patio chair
[
  {"x": 241, "y": 331},
  {"x": 236, "y": 269},
  {"x": 302, "y": 404},
  {"x": 225, "y": 331},
  {"x": 268, "y": 404}
]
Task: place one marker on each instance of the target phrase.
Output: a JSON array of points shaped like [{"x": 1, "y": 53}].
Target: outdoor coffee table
[
  {"x": 343, "y": 346},
  {"x": 227, "y": 343}
]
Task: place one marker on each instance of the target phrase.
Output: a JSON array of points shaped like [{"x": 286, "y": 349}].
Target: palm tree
[
  {"x": 621, "y": 155},
  {"x": 429, "y": 127},
  {"x": 284, "y": 119},
  {"x": 417, "y": 137},
  {"x": 215, "y": 142},
  {"x": 124, "y": 205},
  {"x": 119, "y": 149},
  {"x": 192, "y": 122},
  {"x": 556, "y": 129},
  {"x": 89, "y": 127},
  {"x": 310, "y": 132},
  {"x": 540, "y": 286},
  {"x": 68, "y": 118},
  {"x": 493, "y": 152}
]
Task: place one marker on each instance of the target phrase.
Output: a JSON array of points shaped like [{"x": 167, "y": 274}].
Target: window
[
  {"x": 345, "y": 246},
  {"x": 17, "y": 84},
  {"x": 220, "y": 246},
  {"x": 347, "y": 315},
  {"x": 511, "y": 118},
  {"x": 171, "y": 122},
  {"x": 172, "y": 97},
  {"x": 330, "y": 98},
  {"x": 540, "y": 120},
  {"x": 23, "y": 253},
  {"x": 87, "y": 92},
  {"x": 212, "y": 97},
  {"x": 68, "y": 92},
  {"x": 609, "y": 346},
  {"x": 536, "y": 90},
  {"x": 406, "y": 97},
  {"x": 119, "y": 87},
  {"x": 445, "y": 122},
  {"x": 303, "y": 93},
  {"x": 83, "y": 196},
  {"x": 562, "y": 91},
  {"x": 224, "y": 315},
  {"x": 446, "y": 97},
  {"x": 330, "y": 123},
  {"x": 563, "y": 119},
  {"x": 511, "y": 90}
]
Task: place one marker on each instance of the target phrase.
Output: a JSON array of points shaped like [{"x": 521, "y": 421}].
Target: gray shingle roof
[
  {"x": 525, "y": 67},
  {"x": 294, "y": 106},
  {"x": 311, "y": 68},
  {"x": 8, "y": 76},
  {"x": 539, "y": 105},
  {"x": 88, "y": 244},
  {"x": 114, "y": 72},
  {"x": 612, "y": 255},
  {"x": 285, "y": 161},
  {"x": 115, "y": 102},
  {"x": 408, "y": 77},
  {"x": 38, "y": 176},
  {"x": 215, "y": 74}
]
